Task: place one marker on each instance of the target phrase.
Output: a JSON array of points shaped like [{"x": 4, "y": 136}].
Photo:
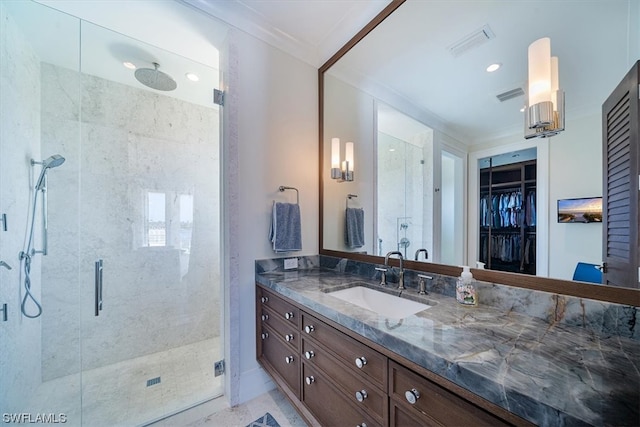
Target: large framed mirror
[{"x": 427, "y": 121}]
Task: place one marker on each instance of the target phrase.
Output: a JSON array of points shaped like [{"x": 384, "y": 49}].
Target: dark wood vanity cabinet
[
  {"x": 335, "y": 378},
  {"x": 414, "y": 398}
]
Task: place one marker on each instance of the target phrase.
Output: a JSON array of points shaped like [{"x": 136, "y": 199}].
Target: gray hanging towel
[
  {"x": 286, "y": 233},
  {"x": 354, "y": 227}
]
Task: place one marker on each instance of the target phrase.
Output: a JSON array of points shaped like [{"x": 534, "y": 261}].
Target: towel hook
[
  {"x": 282, "y": 188},
  {"x": 349, "y": 197}
]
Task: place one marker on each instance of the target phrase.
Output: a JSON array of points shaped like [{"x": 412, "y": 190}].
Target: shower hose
[{"x": 26, "y": 257}]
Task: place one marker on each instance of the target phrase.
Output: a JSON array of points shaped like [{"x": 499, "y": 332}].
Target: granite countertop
[{"x": 549, "y": 374}]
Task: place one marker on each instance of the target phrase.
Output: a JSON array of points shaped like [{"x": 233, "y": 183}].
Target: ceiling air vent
[
  {"x": 471, "y": 41},
  {"x": 510, "y": 94}
]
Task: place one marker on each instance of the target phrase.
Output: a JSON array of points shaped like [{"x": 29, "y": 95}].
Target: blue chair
[{"x": 587, "y": 273}]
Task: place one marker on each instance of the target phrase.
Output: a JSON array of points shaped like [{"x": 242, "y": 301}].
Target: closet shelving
[{"x": 507, "y": 217}]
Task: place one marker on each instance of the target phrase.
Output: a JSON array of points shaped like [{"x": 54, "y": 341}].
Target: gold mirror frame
[{"x": 628, "y": 296}]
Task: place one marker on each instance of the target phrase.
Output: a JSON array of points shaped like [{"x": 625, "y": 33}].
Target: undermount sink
[{"x": 380, "y": 302}]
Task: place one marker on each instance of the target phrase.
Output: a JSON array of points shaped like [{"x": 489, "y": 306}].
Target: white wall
[
  {"x": 276, "y": 98},
  {"x": 575, "y": 170}
]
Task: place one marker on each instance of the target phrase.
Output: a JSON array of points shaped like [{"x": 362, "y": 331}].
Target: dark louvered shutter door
[{"x": 620, "y": 117}]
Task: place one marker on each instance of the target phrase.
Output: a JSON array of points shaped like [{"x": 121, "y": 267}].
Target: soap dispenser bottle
[{"x": 466, "y": 292}]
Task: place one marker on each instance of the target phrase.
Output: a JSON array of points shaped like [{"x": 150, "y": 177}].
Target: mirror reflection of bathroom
[
  {"x": 404, "y": 172},
  {"x": 420, "y": 188},
  {"x": 507, "y": 211}
]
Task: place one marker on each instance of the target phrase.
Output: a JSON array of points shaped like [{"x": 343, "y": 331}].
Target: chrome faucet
[
  {"x": 401, "y": 276},
  {"x": 426, "y": 254}
]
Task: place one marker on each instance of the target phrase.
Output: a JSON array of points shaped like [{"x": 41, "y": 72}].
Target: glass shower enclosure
[{"x": 110, "y": 291}]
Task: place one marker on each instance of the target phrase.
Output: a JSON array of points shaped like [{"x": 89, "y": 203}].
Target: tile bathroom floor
[{"x": 216, "y": 414}]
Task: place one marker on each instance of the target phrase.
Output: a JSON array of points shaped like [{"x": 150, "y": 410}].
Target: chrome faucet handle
[
  {"x": 383, "y": 275},
  {"x": 422, "y": 279}
]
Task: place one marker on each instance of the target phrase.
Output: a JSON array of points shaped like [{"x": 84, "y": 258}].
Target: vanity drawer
[
  {"x": 363, "y": 359},
  {"x": 328, "y": 406},
  {"x": 281, "y": 308},
  {"x": 435, "y": 405},
  {"x": 285, "y": 330},
  {"x": 353, "y": 384},
  {"x": 284, "y": 360}
]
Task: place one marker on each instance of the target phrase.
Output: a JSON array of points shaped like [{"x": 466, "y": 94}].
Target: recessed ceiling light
[
  {"x": 193, "y": 77},
  {"x": 392, "y": 149},
  {"x": 523, "y": 108},
  {"x": 129, "y": 65},
  {"x": 493, "y": 67}
]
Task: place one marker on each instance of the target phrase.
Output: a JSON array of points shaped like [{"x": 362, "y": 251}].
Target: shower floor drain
[{"x": 153, "y": 381}]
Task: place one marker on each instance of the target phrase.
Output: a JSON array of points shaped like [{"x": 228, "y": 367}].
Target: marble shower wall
[
  {"x": 132, "y": 142},
  {"x": 19, "y": 142}
]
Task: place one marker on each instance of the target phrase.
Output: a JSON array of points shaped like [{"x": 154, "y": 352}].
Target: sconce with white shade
[
  {"x": 544, "y": 114},
  {"x": 342, "y": 171}
]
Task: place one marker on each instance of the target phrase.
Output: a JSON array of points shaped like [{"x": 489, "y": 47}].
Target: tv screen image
[{"x": 586, "y": 209}]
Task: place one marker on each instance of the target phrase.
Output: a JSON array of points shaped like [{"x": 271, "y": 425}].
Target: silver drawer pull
[
  {"x": 361, "y": 395},
  {"x": 310, "y": 380},
  {"x": 265, "y": 335},
  {"x": 264, "y": 299},
  {"x": 288, "y": 359},
  {"x": 309, "y": 354},
  {"x": 265, "y": 317},
  {"x": 361, "y": 361},
  {"x": 412, "y": 396},
  {"x": 309, "y": 328},
  {"x": 288, "y": 315},
  {"x": 288, "y": 337},
  {"x": 362, "y": 425}
]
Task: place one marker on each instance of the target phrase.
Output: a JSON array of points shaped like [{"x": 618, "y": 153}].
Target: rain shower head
[
  {"x": 155, "y": 78},
  {"x": 48, "y": 163}
]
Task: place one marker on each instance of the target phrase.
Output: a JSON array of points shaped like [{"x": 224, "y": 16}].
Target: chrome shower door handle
[{"x": 98, "y": 287}]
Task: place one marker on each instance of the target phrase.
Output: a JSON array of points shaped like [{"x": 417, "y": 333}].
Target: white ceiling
[{"x": 311, "y": 30}]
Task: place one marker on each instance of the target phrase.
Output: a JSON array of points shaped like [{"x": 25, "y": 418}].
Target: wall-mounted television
[{"x": 586, "y": 209}]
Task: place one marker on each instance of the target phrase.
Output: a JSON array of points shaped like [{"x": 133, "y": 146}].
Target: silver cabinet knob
[
  {"x": 309, "y": 328},
  {"x": 288, "y": 359},
  {"x": 412, "y": 396},
  {"x": 309, "y": 354},
  {"x": 264, "y": 299},
  {"x": 310, "y": 380},
  {"x": 288, "y": 337},
  {"x": 361, "y": 361},
  {"x": 265, "y": 335},
  {"x": 288, "y": 315},
  {"x": 362, "y": 425},
  {"x": 361, "y": 395},
  {"x": 265, "y": 317}
]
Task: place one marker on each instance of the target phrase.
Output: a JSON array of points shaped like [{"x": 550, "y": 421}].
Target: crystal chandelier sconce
[{"x": 544, "y": 114}]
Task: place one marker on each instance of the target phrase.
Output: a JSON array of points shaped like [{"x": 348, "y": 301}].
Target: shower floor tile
[{"x": 118, "y": 395}]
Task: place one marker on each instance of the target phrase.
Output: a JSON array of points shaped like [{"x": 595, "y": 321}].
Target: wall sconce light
[
  {"x": 544, "y": 114},
  {"x": 342, "y": 171}
]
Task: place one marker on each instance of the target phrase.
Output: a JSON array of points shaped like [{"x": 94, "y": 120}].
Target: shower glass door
[
  {"x": 149, "y": 231},
  {"x": 39, "y": 295},
  {"x": 130, "y": 287}
]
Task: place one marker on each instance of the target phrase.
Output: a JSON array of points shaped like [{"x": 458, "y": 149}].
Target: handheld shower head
[{"x": 51, "y": 162}]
